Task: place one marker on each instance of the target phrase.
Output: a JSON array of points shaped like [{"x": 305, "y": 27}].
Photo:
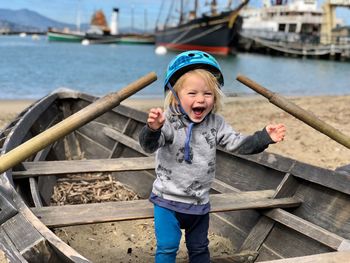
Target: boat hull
[
  {"x": 216, "y": 35},
  {"x": 64, "y": 37},
  {"x": 137, "y": 39}
]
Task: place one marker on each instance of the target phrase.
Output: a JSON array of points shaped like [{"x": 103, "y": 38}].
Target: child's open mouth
[{"x": 198, "y": 111}]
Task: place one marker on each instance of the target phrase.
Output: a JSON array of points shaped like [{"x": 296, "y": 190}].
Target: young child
[{"x": 185, "y": 138}]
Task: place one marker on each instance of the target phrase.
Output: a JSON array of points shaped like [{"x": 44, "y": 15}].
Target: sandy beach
[
  {"x": 246, "y": 114},
  {"x": 251, "y": 113}
]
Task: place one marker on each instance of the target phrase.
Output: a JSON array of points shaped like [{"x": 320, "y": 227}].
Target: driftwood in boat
[
  {"x": 58, "y": 216},
  {"x": 90, "y": 189}
]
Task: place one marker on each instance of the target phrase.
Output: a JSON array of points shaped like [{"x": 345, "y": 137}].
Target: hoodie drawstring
[
  {"x": 187, "y": 143},
  {"x": 190, "y": 126}
]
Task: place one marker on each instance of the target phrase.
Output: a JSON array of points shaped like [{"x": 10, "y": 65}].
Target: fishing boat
[
  {"x": 272, "y": 208},
  {"x": 64, "y": 36},
  {"x": 215, "y": 31}
]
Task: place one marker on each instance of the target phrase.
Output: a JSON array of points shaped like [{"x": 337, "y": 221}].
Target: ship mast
[
  {"x": 193, "y": 13},
  {"x": 181, "y": 12},
  {"x": 195, "y": 8},
  {"x": 213, "y": 7}
]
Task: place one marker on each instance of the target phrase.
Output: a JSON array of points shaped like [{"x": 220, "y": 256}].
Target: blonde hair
[{"x": 210, "y": 80}]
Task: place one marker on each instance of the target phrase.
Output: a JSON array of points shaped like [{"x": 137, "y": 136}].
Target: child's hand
[
  {"x": 276, "y": 131},
  {"x": 155, "y": 119}
]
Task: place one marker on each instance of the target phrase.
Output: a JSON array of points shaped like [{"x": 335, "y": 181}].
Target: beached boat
[
  {"x": 214, "y": 32},
  {"x": 269, "y": 206}
]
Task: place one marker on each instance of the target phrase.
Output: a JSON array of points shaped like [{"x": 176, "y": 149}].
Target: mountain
[
  {"x": 7, "y": 27},
  {"x": 29, "y": 21},
  {"x": 25, "y": 20}
]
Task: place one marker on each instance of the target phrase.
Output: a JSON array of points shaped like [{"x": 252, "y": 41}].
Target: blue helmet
[{"x": 191, "y": 60}]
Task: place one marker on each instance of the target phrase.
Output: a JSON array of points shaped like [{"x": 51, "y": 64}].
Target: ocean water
[{"x": 30, "y": 69}]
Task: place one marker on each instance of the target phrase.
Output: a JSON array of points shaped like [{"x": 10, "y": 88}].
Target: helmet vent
[{"x": 191, "y": 55}]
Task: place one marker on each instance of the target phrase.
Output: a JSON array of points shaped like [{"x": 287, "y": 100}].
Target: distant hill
[
  {"x": 25, "y": 20},
  {"x": 29, "y": 21},
  {"x": 7, "y": 27}
]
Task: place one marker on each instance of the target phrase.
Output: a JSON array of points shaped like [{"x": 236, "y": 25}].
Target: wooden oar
[
  {"x": 72, "y": 123},
  {"x": 303, "y": 115}
]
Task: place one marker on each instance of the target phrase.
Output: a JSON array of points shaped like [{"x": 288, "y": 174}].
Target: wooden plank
[
  {"x": 92, "y": 134},
  {"x": 118, "y": 147},
  {"x": 71, "y": 146},
  {"x": 2, "y": 140},
  {"x": 325, "y": 177},
  {"x": 309, "y": 229},
  {"x": 222, "y": 187},
  {"x": 84, "y": 166},
  {"x": 33, "y": 183},
  {"x": 261, "y": 230},
  {"x": 258, "y": 234},
  {"x": 53, "y": 245},
  {"x": 7, "y": 209},
  {"x": 91, "y": 148},
  {"x": 9, "y": 249},
  {"x": 58, "y": 216},
  {"x": 332, "y": 257},
  {"x": 126, "y": 140},
  {"x": 25, "y": 237},
  {"x": 243, "y": 257}
]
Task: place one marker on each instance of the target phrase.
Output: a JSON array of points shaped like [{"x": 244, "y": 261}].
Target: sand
[
  {"x": 248, "y": 114},
  {"x": 134, "y": 242}
]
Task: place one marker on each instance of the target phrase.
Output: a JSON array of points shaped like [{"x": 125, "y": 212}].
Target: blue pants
[{"x": 168, "y": 225}]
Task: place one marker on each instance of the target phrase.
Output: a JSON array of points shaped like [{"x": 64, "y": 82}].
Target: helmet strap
[{"x": 177, "y": 99}]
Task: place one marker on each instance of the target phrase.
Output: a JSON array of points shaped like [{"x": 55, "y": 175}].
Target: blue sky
[{"x": 66, "y": 10}]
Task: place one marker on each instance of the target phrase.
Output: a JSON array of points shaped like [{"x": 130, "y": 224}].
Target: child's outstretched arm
[
  {"x": 150, "y": 135},
  {"x": 277, "y": 132},
  {"x": 155, "y": 119}
]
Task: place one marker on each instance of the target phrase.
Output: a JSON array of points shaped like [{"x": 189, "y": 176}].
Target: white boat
[{"x": 281, "y": 20}]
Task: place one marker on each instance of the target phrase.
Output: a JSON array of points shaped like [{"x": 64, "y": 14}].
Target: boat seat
[
  {"x": 59, "y": 216},
  {"x": 44, "y": 168}
]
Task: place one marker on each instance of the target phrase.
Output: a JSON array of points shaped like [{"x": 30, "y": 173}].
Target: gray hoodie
[{"x": 190, "y": 182}]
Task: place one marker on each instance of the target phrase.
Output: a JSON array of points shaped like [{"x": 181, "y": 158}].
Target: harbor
[{"x": 297, "y": 28}]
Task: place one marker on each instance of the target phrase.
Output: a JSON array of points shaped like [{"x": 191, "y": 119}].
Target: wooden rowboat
[{"x": 272, "y": 208}]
